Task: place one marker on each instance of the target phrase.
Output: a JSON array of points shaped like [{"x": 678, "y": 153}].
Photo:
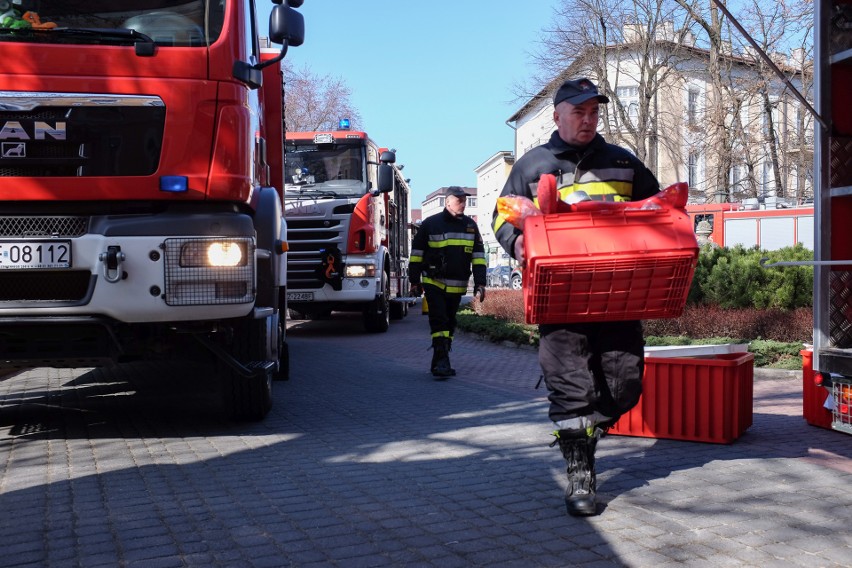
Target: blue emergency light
[
  {"x": 343, "y": 124},
  {"x": 174, "y": 184}
]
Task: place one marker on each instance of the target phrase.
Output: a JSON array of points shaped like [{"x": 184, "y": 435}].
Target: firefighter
[
  {"x": 593, "y": 371},
  {"x": 445, "y": 249}
]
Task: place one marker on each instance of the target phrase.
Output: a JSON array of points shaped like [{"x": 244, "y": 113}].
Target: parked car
[
  {"x": 498, "y": 277},
  {"x": 516, "y": 278}
]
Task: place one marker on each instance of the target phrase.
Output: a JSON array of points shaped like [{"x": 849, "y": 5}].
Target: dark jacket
[
  {"x": 603, "y": 170},
  {"x": 443, "y": 251}
]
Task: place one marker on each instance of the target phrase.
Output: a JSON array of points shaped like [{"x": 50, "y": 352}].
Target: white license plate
[
  {"x": 300, "y": 296},
  {"x": 35, "y": 254}
]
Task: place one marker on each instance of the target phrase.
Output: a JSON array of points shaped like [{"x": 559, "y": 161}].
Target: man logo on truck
[{"x": 14, "y": 130}]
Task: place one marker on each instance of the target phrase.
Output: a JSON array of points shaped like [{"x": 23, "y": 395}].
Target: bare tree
[
  {"x": 629, "y": 48},
  {"x": 313, "y": 102}
]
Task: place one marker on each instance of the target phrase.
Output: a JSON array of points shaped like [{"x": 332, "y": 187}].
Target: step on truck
[
  {"x": 140, "y": 187},
  {"x": 348, "y": 228}
]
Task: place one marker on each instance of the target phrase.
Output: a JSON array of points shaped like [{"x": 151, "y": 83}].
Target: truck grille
[
  {"x": 80, "y": 135},
  {"x": 61, "y": 226},
  {"x": 306, "y": 239}
]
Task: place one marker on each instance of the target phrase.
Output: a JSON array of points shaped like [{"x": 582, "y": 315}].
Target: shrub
[{"x": 734, "y": 278}]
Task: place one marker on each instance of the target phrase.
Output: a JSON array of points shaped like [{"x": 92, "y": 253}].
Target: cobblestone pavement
[{"x": 365, "y": 460}]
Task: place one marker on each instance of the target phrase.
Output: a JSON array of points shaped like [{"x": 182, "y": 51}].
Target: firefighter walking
[{"x": 446, "y": 249}]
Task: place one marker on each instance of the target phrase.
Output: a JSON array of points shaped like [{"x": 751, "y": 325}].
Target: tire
[
  {"x": 397, "y": 310},
  {"x": 377, "y": 314},
  {"x": 248, "y": 398},
  {"x": 517, "y": 282}
]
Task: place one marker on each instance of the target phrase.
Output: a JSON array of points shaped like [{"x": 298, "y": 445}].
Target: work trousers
[
  {"x": 592, "y": 369},
  {"x": 442, "y": 310}
]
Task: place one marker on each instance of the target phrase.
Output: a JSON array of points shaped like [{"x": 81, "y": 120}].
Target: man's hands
[
  {"x": 519, "y": 249},
  {"x": 479, "y": 292},
  {"x": 416, "y": 290}
]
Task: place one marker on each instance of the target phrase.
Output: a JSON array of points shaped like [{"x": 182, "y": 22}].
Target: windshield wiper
[
  {"x": 143, "y": 43},
  {"x": 303, "y": 189}
]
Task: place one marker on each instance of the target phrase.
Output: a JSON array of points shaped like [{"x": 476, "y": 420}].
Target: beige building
[{"x": 490, "y": 178}]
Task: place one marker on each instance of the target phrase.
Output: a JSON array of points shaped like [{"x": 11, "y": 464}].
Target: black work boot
[
  {"x": 450, "y": 348},
  {"x": 441, "y": 358},
  {"x": 578, "y": 449}
]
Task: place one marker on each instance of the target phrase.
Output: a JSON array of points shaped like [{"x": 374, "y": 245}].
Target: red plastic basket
[{"x": 608, "y": 265}]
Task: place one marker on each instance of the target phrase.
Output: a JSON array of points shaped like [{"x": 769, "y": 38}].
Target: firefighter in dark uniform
[
  {"x": 593, "y": 371},
  {"x": 444, "y": 250}
]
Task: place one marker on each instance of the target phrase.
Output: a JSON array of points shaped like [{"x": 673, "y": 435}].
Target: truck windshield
[
  {"x": 180, "y": 23},
  {"x": 335, "y": 170}
]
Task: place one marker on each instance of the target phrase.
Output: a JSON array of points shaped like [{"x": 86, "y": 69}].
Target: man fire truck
[
  {"x": 347, "y": 208},
  {"x": 140, "y": 150}
]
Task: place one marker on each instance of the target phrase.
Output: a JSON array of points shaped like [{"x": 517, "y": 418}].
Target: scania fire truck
[
  {"x": 140, "y": 187},
  {"x": 347, "y": 207}
]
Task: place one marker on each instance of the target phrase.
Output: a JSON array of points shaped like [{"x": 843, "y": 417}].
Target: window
[
  {"x": 692, "y": 169},
  {"x": 692, "y": 106},
  {"x": 737, "y": 177},
  {"x": 629, "y": 98},
  {"x": 767, "y": 186}
]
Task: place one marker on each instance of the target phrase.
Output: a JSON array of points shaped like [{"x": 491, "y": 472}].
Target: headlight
[
  {"x": 210, "y": 253},
  {"x": 359, "y": 270}
]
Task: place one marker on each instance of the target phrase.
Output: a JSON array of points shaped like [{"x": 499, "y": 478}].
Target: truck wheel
[
  {"x": 517, "y": 282},
  {"x": 397, "y": 310},
  {"x": 377, "y": 314},
  {"x": 249, "y": 398}
]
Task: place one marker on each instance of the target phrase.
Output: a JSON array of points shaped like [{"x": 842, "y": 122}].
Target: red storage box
[
  {"x": 813, "y": 395},
  {"x": 699, "y": 399},
  {"x": 608, "y": 265}
]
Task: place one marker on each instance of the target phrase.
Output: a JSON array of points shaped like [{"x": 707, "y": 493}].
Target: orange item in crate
[
  {"x": 610, "y": 262},
  {"x": 698, "y": 399}
]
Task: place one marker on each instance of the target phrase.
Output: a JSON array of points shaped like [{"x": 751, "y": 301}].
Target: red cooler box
[
  {"x": 699, "y": 399},
  {"x": 813, "y": 395},
  {"x": 608, "y": 265}
]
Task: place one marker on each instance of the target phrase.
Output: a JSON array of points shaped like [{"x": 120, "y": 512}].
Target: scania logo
[{"x": 38, "y": 130}]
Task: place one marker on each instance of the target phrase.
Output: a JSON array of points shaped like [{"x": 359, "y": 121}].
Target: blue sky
[{"x": 431, "y": 79}]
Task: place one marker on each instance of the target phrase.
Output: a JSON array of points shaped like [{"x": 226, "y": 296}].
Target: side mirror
[
  {"x": 286, "y": 26},
  {"x": 385, "y": 180},
  {"x": 387, "y": 157}
]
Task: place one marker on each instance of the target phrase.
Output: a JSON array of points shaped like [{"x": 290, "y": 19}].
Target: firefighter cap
[
  {"x": 578, "y": 91},
  {"x": 457, "y": 191}
]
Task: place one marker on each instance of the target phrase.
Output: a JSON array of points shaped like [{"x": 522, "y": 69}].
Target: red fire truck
[
  {"x": 140, "y": 149},
  {"x": 832, "y": 355},
  {"x": 348, "y": 215},
  {"x": 753, "y": 225}
]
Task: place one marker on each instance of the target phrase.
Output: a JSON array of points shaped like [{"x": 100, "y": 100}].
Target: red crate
[
  {"x": 698, "y": 399},
  {"x": 813, "y": 395},
  {"x": 608, "y": 265}
]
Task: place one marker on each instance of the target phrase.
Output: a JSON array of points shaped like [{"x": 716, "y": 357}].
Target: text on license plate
[
  {"x": 300, "y": 296},
  {"x": 35, "y": 254}
]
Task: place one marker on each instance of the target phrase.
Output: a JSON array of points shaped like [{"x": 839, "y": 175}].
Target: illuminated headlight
[
  {"x": 209, "y": 271},
  {"x": 222, "y": 253},
  {"x": 360, "y": 270}
]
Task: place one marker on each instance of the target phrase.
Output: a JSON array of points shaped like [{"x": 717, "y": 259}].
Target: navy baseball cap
[
  {"x": 578, "y": 91},
  {"x": 457, "y": 191}
]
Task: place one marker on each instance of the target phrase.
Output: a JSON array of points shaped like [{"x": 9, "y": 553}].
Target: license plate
[
  {"x": 300, "y": 296},
  {"x": 35, "y": 254}
]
